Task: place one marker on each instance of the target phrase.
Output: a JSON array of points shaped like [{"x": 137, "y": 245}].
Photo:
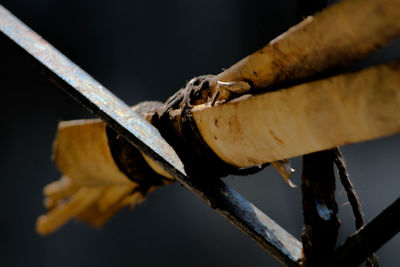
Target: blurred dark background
[{"x": 146, "y": 50}]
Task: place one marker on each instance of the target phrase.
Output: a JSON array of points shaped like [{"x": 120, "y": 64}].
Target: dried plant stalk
[
  {"x": 315, "y": 116},
  {"x": 337, "y": 36}
]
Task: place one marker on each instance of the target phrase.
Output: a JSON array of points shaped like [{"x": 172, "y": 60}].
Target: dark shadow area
[{"x": 146, "y": 51}]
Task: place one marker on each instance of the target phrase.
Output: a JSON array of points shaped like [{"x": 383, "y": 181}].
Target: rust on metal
[{"x": 137, "y": 131}]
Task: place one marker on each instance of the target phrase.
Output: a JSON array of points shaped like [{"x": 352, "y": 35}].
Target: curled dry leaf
[{"x": 92, "y": 187}]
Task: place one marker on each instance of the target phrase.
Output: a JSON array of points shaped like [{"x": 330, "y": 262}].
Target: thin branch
[
  {"x": 369, "y": 238},
  {"x": 352, "y": 197},
  {"x": 348, "y": 186}
]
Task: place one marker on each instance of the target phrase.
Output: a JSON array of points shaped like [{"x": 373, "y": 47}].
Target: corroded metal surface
[
  {"x": 95, "y": 97},
  {"x": 87, "y": 90}
]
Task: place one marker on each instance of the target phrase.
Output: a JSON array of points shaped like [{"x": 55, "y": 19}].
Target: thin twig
[
  {"x": 353, "y": 198},
  {"x": 348, "y": 186},
  {"x": 368, "y": 238}
]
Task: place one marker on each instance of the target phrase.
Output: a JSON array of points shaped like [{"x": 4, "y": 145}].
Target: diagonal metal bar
[{"x": 96, "y": 98}]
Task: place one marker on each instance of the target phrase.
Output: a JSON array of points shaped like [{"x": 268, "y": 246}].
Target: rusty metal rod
[{"x": 101, "y": 102}]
